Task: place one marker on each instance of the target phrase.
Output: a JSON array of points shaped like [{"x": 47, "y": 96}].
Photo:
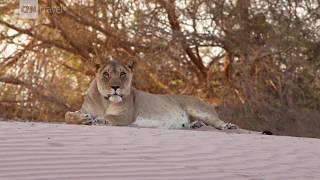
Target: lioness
[{"x": 112, "y": 100}]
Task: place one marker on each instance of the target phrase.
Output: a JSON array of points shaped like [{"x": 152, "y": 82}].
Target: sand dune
[{"x": 30, "y": 151}]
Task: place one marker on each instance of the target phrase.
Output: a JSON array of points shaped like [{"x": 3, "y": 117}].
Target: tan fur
[{"x": 139, "y": 108}]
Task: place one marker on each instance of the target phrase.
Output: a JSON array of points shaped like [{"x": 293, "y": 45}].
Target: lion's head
[{"x": 114, "y": 81}]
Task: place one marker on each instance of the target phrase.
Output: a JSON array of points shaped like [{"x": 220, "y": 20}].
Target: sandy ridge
[{"x": 58, "y": 151}]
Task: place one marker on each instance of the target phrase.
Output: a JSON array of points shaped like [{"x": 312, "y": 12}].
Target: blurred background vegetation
[{"x": 257, "y": 61}]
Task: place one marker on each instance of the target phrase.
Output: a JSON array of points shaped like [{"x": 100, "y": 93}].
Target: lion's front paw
[
  {"x": 96, "y": 121},
  {"x": 228, "y": 126},
  {"x": 77, "y": 117},
  {"x": 89, "y": 120}
]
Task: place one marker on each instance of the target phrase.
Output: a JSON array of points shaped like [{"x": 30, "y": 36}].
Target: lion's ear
[
  {"x": 97, "y": 66},
  {"x": 131, "y": 64},
  {"x": 99, "y": 59}
]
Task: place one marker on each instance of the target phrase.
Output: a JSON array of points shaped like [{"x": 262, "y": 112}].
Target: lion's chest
[{"x": 159, "y": 113}]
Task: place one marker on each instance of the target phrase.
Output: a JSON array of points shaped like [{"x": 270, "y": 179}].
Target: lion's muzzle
[{"x": 115, "y": 94}]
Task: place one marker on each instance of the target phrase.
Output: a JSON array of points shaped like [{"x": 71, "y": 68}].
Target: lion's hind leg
[
  {"x": 200, "y": 111},
  {"x": 206, "y": 113},
  {"x": 196, "y": 124}
]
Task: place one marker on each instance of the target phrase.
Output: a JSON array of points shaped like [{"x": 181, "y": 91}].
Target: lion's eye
[
  {"x": 123, "y": 74},
  {"x": 106, "y": 74}
]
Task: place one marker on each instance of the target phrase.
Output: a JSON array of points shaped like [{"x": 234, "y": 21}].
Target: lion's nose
[{"x": 115, "y": 87}]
